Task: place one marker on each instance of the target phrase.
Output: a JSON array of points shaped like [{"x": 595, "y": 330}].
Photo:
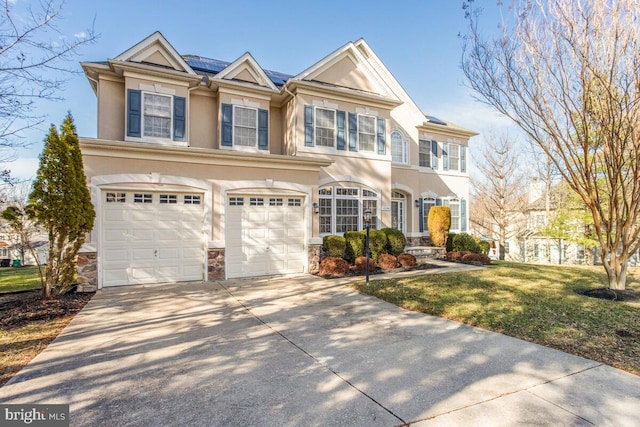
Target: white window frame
[
  {"x": 334, "y": 129},
  {"x": 431, "y": 201},
  {"x": 374, "y": 135},
  {"x": 429, "y": 154},
  {"x": 457, "y": 158},
  {"x": 328, "y": 196},
  {"x": 235, "y": 125},
  {"x": 401, "y": 200},
  {"x": 144, "y": 136},
  {"x": 451, "y": 203},
  {"x": 403, "y": 148}
]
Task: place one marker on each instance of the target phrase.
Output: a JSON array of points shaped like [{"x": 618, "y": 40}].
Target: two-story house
[{"x": 204, "y": 169}]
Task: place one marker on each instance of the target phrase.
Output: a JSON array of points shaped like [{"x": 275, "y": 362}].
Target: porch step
[{"x": 425, "y": 253}]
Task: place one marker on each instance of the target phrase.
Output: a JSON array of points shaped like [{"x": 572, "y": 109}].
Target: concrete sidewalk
[{"x": 305, "y": 351}]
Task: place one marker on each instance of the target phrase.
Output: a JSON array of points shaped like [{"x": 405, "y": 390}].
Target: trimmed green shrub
[
  {"x": 333, "y": 267},
  {"x": 407, "y": 260},
  {"x": 465, "y": 242},
  {"x": 449, "y": 246},
  {"x": 439, "y": 223},
  {"x": 335, "y": 246},
  {"x": 360, "y": 264},
  {"x": 387, "y": 262},
  {"x": 355, "y": 245},
  {"x": 377, "y": 242},
  {"x": 395, "y": 241},
  {"x": 484, "y": 246}
]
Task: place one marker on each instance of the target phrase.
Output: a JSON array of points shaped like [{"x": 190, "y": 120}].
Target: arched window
[{"x": 398, "y": 147}]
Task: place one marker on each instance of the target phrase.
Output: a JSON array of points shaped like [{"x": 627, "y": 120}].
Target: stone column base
[
  {"x": 87, "y": 270},
  {"x": 315, "y": 257},
  {"x": 216, "y": 264}
]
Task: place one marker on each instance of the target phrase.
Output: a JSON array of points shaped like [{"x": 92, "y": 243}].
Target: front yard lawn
[
  {"x": 536, "y": 303},
  {"x": 19, "y": 279}
]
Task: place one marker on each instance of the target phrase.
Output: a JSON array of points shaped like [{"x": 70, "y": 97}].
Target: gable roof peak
[{"x": 154, "y": 44}]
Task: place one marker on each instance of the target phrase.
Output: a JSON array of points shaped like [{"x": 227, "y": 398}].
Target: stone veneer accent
[
  {"x": 87, "y": 269},
  {"x": 315, "y": 256},
  {"x": 215, "y": 264},
  {"x": 419, "y": 241}
]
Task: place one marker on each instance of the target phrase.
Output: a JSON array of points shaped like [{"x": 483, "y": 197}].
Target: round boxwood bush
[
  {"x": 465, "y": 242},
  {"x": 395, "y": 241},
  {"x": 333, "y": 267},
  {"x": 334, "y": 246},
  {"x": 354, "y": 245},
  {"x": 377, "y": 242}
]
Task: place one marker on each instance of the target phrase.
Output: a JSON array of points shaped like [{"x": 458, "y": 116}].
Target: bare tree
[
  {"x": 497, "y": 193},
  {"x": 567, "y": 73},
  {"x": 34, "y": 57}
]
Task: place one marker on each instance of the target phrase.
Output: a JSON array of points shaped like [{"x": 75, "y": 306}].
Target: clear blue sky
[{"x": 417, "y": 40}]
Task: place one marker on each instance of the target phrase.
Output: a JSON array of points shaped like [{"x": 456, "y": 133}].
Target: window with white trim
[
  {"x": 427, "y": 204},
  {"x": 191, "y": 199},
  {"x": 168, "y": 199},
  {"x": 157, "y": 114},
  {"x": 294, "y": 202},
  {"x": 454, "y": 207},
  {"x": 325, "y": 127},
  {"x": 454, "y": 157},
  {"x": 256, "y": 201},
  {"x": 142, "y": 198},
  {"x": 116, "y": 197},
  {"x": 245, "y": 126},
  {"x": 366, "y": 133},
  {"x": 236, "y": 201},
  {"x": 276, "y": 201},
  {"x": 398, "y": 148},
  {"x": 398, "y": 210},
  {"x": 342, "y": 208},
  {"x": 424, "y": 147}
]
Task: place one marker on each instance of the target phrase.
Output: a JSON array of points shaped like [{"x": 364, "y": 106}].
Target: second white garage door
[
  {"x": 265, "y": 235},
  {"x": 151, "y": 237}
]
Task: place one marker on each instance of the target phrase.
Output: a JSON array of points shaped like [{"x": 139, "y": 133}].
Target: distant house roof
[{"x": 214, "y": 66}]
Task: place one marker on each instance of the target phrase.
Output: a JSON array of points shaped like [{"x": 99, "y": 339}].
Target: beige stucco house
[{"x": 204, "y": 169}]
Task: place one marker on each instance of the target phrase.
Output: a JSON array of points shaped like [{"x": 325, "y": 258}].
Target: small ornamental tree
[
  {"x": 61, "y": 203},
  {"x": 439, "y": 223}
]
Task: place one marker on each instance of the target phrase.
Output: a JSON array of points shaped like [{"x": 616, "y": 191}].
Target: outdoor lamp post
[{"x": 367, "y": 224}]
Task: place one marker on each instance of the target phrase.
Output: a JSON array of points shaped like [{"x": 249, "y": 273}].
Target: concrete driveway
[{"x": 303, "y": 351}]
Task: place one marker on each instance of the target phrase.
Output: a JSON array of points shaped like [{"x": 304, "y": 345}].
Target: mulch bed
[
  {"x": 611, "y": 294},
  {"x": 353, "y": 272},
  {"x": 20, "y": 308}
]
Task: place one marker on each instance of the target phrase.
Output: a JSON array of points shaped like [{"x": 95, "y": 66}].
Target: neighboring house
[
  {"x": 530, "y": 244},
  {"x": 11, "y": 249},
  {"x": 204, "y": 169}
]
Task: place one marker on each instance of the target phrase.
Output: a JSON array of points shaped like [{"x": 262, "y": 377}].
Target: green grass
[
  {"x": 19, "y": 279},
  {"x": 532, "y": 302}
]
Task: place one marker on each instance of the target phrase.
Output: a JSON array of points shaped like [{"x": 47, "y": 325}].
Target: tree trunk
[{"x": 616, "y": 268}]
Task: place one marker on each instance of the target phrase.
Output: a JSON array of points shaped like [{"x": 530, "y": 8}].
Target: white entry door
[
  {"x": 264, "y": 235},
  {"x": 151, "y": 237}
]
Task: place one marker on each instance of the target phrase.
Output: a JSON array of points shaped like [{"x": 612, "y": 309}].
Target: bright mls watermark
[{"x": 34, "y": 415}]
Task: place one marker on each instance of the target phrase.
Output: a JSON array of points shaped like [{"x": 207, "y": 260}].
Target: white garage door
[
  {"x": 151, "y": 237},
  {"x": 265, "y": 235}
]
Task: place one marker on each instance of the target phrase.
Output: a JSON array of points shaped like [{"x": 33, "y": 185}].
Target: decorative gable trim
[
  {"x": 246, "y": 63},
  {"x": 156, "y": 44},
  {"x": 351, "y": 52}
]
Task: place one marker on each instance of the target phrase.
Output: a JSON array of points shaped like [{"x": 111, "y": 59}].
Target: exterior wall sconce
[
  {"x": 315, "y": 207},
  {"x": 417, "y": 202}
]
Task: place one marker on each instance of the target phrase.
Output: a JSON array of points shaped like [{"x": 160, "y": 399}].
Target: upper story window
[
  {"x": 398, "y": 148},
  {"x": 366, "y": 133},
  {"x": 244, "y": 127},
  {"x": 428, "y": 153},
  {"x": 155, "y": 116},
  {"x": 325, "y": 127},
  {"x": 454, "y": 157}
]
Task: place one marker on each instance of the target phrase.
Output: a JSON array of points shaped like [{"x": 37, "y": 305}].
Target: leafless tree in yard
[
  {"x": 567, "y": 72},
  {"x": 498, "y": 191},
  {"x": 34, "y": 55}
]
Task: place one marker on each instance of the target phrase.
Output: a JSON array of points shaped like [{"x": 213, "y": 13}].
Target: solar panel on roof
[
  {"x": 433, "y": 119},
  {"x": 215, "y": 66}
]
